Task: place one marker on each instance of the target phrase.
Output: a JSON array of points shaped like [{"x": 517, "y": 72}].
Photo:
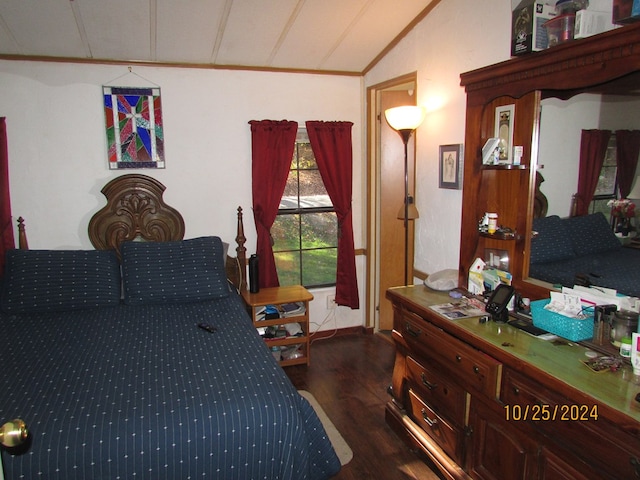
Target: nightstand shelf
[{"x": 278, "y": 296}]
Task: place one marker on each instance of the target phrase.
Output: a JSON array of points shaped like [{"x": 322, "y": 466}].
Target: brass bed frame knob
[{"x": 13, "y": 433}]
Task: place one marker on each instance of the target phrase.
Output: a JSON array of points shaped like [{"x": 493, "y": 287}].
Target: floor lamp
[{"x": 405, "y": 120}]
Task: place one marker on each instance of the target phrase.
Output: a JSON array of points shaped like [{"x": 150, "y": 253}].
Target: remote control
[{"x": 207, "y": 327}]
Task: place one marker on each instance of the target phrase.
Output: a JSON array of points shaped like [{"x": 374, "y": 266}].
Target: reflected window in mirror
[{"x": 607, "y": 186}]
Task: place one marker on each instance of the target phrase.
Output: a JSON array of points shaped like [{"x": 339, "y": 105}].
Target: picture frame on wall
[
  {"x": 451, "y": 166},
  {"x": 134, "y": 127},
  {"x": 504, "y": 119}
]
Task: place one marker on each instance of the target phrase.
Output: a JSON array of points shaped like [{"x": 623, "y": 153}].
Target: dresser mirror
[
  {"x": 613, "y": 106},
  {"x": 561, "y": 122},
  {"x": 591, "y": 83}
]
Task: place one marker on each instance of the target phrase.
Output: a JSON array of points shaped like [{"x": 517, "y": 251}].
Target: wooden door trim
[{"x": 371, "y": 216}]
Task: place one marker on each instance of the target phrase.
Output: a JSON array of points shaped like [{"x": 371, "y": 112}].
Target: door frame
[{"x": 374, "y": 117}]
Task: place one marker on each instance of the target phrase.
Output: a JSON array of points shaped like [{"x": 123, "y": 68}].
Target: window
[
  {"x": 305, "y": 232},
  {"x": 607, "y": 184}
]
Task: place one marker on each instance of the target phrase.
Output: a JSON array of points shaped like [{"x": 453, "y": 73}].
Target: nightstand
[{"x": 279, "y": 296}]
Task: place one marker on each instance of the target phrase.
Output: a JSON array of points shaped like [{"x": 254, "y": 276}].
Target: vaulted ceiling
[{"x": 337, "y": 36}]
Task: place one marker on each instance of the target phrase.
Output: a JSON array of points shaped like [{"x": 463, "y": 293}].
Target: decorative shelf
[
  {"x": 499, "y": 235},
  {"x": 505, "y": 166}
]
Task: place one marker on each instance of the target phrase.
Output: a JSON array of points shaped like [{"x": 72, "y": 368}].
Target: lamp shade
[
  {"x": 412, "y": 210},
  {"x": 635, "y": 191},
  {"x": 408, "y": 117}
]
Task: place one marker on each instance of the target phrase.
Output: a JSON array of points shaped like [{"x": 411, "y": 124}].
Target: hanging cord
[{"x": 129, "y": 73}]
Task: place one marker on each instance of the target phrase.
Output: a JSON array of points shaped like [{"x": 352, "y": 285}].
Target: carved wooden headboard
[{"x": 135, "y": 210}]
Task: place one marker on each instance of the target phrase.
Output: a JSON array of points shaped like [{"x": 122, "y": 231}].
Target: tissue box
[
  {"x": 626, "y": 11},
  {"x": 527, "y": 31},
  {"x": 572, "y": 329}
]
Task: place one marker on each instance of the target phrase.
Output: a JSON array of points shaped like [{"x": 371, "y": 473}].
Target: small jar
[
  {"x": 623, "y": 324},
  {"x": 625, "y": 347}
]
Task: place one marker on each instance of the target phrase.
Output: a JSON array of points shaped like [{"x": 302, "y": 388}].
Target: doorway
[{"x": 386, "y": 197}]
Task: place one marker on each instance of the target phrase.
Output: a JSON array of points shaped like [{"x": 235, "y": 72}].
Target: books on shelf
[
  {"x": 292, "y": 309},
  {"x": 282, "y": 331},
  {"x": 284, "y": 310}
]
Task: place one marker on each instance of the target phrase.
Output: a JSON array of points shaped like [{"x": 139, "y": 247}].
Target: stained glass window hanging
[{"x": 135, "y": 135}]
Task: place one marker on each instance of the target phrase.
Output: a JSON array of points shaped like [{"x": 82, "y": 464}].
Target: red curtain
[
  {"x": 331, "y": 144},
  {"x": 627, "y": 150},
  {"x": 6, "y": 228},
  {"x": 272, "y": 144},
  {"x": 593, "y": 146}
]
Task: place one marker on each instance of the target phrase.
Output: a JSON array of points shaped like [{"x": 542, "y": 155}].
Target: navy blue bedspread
[
  {"x": 141, "y": 392},
  {"x": 618, "y": 269}
]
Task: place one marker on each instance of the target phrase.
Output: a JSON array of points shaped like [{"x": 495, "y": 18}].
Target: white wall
[
  {"x": 57, "y": 141},
  {"x": 561, "y": 123},
  {"x": 457, "y": 36},
  {"x": 57, "y": 145}
]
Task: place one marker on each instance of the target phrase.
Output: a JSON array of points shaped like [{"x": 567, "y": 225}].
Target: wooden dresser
[{"x": 488, "y": 401}]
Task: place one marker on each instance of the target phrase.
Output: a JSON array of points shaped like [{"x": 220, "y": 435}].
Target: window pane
[
  {"x": 306, "y": 158},
  {"x": 288, "y": 267},
  {"x": 312, "y": 190},
  {"x": 286, "y": 233},
  {"x": 606, "y": 181},
  {"x": 305, "y": 235},
  {"x": 319, "y": 266},
  {"x": 290, "y": 195},
  {"x": 319, "y": 230}
]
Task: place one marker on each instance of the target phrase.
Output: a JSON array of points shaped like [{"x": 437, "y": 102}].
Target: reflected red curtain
[
  {"x": 627, "y": 151},
  {"x": 593, "y": 147},
  {"x": 272, "y": 144},
  {"x": 331, "y": 144},
  {"x": 7, "y": 241}
]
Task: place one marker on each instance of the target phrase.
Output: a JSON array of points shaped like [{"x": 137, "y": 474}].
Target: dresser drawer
[
  {"x": 469, "y": 366},
  {"x": 447, "y": 436},
  {"x": 444, "y": 396},
  {"x": 576, "y": 426}
]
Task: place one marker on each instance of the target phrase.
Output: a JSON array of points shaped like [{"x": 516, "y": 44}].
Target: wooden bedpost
[
  {"x": 22, "y": 235},
  {"x": 241, "y": 251}
]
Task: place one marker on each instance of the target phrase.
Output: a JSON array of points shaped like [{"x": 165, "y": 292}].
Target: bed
[
  {"x": 105, "y": 361},
  {"x": 583, "y": 251}
]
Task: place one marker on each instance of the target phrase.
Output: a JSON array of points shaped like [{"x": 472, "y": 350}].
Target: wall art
[
  {"x": 505, "y": 116},
  {"x": 135, "y": 132},
  {"x": 451, "y": 166}
]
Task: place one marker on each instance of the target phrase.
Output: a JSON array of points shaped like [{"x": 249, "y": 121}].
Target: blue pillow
[
  {"x": 173, "y": 272},
  {"x": 591, "y": 234},
  {"x": 552, "y": 242},
  {"x": 60, "y": 280}
]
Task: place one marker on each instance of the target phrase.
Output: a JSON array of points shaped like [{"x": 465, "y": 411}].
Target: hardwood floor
[{"x": 349, "y": 376}]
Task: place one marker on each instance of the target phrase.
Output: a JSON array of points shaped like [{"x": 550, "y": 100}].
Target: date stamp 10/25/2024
[{"x": 550, "y": 413}]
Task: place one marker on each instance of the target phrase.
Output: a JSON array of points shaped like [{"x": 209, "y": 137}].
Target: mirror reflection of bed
[{"x": 561, "y": 122}]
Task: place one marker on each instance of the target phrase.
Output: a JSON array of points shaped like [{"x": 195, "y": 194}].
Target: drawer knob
[
  {"x": 516, "y": 390},
  {"x": 636, "y": 466},
  {"x": 428, "y": 421},
  {"x": 458, "y": 358},
  {"x": 476, "y": 369},
  {"x": 427, "y": 383}
]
